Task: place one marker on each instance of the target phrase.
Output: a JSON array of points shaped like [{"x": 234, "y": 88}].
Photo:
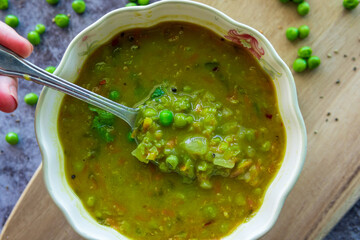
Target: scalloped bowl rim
[{"x": 44, "y": 146}]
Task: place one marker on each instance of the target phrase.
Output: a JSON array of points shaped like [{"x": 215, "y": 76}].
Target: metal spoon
[{"x": 15, "y": 66}]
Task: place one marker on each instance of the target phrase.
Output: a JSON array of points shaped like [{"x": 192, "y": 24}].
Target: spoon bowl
[{"x": 13, "y": 65}]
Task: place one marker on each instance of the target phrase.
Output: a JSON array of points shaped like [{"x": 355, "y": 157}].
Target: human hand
[{"x": 8, "y": 86}]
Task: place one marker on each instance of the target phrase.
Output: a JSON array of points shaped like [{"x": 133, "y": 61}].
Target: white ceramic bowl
[{"x": 134, "y": 17}]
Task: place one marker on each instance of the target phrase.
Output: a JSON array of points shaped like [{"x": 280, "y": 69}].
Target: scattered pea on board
[
  {"x": 130, "y": 4},
  {"x": 292, "y": 33},
  {"x": 12, "y": 20},
  {"x": 305, "y": 52},
  {"x": 143, "y": 2},
  {"x": 52, "y": 2},
  {"x": 50, "y": 69},
  {"x": 31, "y": 99},
  {"x": 350, "y": 4},
  {"x": 303, "y": 8},
  {"x": 299, "y": 65},
  {"x": 62, "y": 20},
  {"x": 304, "y": 31},
  {"x": 313, "y": 62},
  {"x": 78, "y": 6},
  {"x": 40, "y": 28},
  {"x": 34, "y": 38},
  {"x": 4, "y": 4},
  {"x": 12, "y": 138}
]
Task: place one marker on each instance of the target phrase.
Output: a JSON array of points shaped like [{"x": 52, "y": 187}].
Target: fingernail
[{"x": 13, "y": 93}]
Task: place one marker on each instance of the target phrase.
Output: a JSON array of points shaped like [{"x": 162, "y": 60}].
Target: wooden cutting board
[{"x": 330, "y": 182}]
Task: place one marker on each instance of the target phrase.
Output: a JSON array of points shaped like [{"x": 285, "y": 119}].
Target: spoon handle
[{"x": 15, "y": 66}]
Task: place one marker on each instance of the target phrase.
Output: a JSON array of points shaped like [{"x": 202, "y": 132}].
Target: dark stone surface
[{"x": 18, "y": 163}]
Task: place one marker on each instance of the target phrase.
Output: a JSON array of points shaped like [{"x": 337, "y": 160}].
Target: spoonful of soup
[{"x": 15, "y": 66}]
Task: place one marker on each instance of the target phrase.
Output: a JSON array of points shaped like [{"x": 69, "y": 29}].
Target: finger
[
  {"x": 11, "y": 39},
  {"x": 8, "y": 94}
]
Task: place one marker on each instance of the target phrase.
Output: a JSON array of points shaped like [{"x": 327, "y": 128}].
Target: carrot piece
[
  {"x": 147, "y": 123},
  {"x": 172, "y": 143}
]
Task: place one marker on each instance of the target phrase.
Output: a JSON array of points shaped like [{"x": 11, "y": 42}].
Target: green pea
[
  {"x": 166, "y": 117},
  {"x": 224, "y": 227},
  {"x": 209, "y": 212},
  {"x": 304, "y": 31},
  {"x": 299, "y": 65},
  {"x": 132, "y": 0},
  {"x": 189, "y": 119},
  {"x": 50, "y": 69},
  {"x": 172, "y": 161},
  {"x": 250, "y": 151},
  {"x": 31, "y": 99},
  {"x": 266, "y": 146},
  {"x": 150, "y": 112},
  {"x": 292, "y": 33},
  {"x": 78, "y": 166},
  {"x": 180, "y": 120},
  {"x": 129, "y": 137},
  {"x": 4, "y": 4},
  {"x": 34, "y": 38},
  {"x": 350, "y": 4},
  {"x": 250, "y": 135},
  {"x": 223, "y": 146},
  {"x": 313, "y": 62},
  {"x": 143, "y": 2},
  {"x": 52, "y": 2},
  {"x": 205, "y": 184},
  {"x": 303, "y": 8},
  {"x": 163, "y": 167},
  {"x": 130, "y": 4},
  {"x": 90, "y": 201},
  {"x": 203, "y": 166},
  {"x": 12, "y": 20},
  {"x": 297, "y": 1},
  {"x": 284, "y": 1},
  {"x": 40, "y": 28},
  {"x": 187, "y": 89},
  {"x": 12, "y": 138},
  {"x": 61, "y": 20},
  {"x": 305, "y": 52},
  {"x": 240, "y": 199},
  {"x": 257, "y": 191},
  {"x": 114, "y": 95},
  {"x": 78, "y": 6}
]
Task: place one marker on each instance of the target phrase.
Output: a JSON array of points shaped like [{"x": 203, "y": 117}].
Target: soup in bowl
[{"x": 220, "y": 138}]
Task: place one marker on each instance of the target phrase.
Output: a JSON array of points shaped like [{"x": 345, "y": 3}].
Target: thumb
[{"x": 8, "y": 94}]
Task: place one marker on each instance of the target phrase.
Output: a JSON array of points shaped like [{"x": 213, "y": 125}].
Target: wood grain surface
[{"x": 330, "y": 182}]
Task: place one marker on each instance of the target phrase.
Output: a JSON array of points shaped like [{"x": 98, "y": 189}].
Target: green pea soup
[{"x": 173, "y": 187}]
